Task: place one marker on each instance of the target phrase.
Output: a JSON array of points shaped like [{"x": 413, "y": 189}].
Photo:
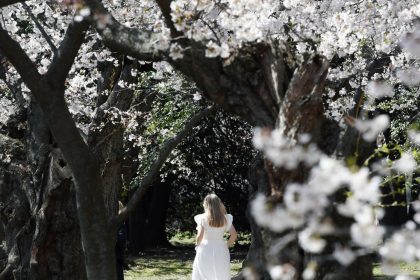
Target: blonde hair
[{"x": 215, "y": 210}]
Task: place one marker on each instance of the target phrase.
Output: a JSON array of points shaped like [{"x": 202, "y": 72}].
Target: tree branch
[
  {"x": 97, "y": 239},
  {"x": 165, "y": 8},
  {"x": 302, "y": 108},
  {"x": 40, "y": 28},
  {"x": 15, "y": 88},
  {"x": 119, "y": 38},
  {"x": 4, "y": 3},
  {"x": 7, "y": 271},
  {"x": 20, "y": 60},
  {"x": 164, "y": 152},
  {"x": 67, "y": 52}
]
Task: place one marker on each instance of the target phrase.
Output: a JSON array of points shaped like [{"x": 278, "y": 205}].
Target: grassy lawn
[
  {"x": 160, "y": 267},
  {"x": 176, "y": 263},
  {"x": 173, "y": 265},
  {"x": 412, "y": 269}
]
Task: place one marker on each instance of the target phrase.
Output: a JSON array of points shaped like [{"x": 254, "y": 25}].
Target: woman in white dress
[{"x": 212, "y": 259}]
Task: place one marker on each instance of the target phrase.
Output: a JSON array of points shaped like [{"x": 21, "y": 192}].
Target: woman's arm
[
  {"x": 233, "y": 235},
  {"x": 199, "y": 236}
]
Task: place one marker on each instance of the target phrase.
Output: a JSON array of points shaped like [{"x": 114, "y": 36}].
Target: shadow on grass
[
  {"x": 172, "y": 263},
  {"x": 175, "y": 263}
]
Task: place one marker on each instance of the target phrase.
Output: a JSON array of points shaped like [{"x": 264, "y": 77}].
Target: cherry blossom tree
[
  {"x": 98, "y": 138},
  {"x": 307, "y": 73},
  {"x": 249, "y": 37}
]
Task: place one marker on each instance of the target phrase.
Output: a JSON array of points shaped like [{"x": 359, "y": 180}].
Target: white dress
[{"x": 212, "y": 259}]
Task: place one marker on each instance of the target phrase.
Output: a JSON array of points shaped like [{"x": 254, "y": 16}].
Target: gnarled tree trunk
[
  {"x": 263, "y": 88},
  {"x": 39, "y": 213}
]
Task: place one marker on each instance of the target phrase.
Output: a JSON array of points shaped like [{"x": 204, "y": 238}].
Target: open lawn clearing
[{"x": 173, "y": 263}]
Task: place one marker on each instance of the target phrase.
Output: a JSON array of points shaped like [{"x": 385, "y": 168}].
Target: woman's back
[
  {"x": 212, "y": 261},
  {"x": 213, "y": 233}
]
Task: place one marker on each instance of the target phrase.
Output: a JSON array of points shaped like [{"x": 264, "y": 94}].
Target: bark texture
[
  {"x": 256, "y": 258},
  {"x": 106, "y": 134},
  {"x": 56, "y": 251},
  {"x": 48, "y": 90},
  {"x": 39, "y": 213}
]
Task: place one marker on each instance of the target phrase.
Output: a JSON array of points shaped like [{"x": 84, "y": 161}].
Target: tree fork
[{"x": 97, "y": 239}]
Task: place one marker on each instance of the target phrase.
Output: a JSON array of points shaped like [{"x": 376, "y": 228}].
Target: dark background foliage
[{"x": 216, "y": 158}]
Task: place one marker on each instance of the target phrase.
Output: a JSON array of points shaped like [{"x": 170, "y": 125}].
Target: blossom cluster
[
  {"x": 354, "y": 35},
  {"x": 282, "y": 151},
  {"x": 307, "y": 209}
]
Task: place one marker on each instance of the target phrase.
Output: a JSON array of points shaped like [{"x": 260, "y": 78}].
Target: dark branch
[
  {"x": 67, "y": 52},
  {"x": 40, "y": 28},
  {"x": 121, "y": 97},
  {"x": 165, "y": 8},
  {"x": 20, "y": 60},
  {"x": 302, "y": 108},
  {"x": 96, "y": 238},
  {"x": 4, "y": 3},
  {"x": 15, "y": 87},
  {"x": 121, "y": 39},
  {"x": 7, "y": 272},
  {"x": 164, "y": 152}
]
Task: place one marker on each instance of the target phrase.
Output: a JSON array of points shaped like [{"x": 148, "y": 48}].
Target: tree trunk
[
  {"x": 256, "y": 256},
  {"x": 98, "y": 234},
  {"x": 156, "y": 226},
  {"x": 147, "y": 225},
  {"x": 105, "y": 137},
  {"x": 15, "y": 217},
  {"x": 39, "y": 214},
  {"x": 261, "y": 86},
  {"x": 136, "y": 224},
  {"x": 52, "y": 247},
  {"x": 56, "y": 249}
]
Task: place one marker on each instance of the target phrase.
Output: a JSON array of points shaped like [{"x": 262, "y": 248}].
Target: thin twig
[{"x": 40, "y": 28}]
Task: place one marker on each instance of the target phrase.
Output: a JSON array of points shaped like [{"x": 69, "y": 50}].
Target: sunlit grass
[
  {"x": 159, "y": 268},
  {"x": 172, "y": 264},
  {"x": 412, "y": 269},
  {"x": 166, "y": 269},
  {"x": 183, "y": 238},
  {"x": 176, "y": 263},
  {"x": 176, "y": 268},
  {"x": 172, "y": 268}
]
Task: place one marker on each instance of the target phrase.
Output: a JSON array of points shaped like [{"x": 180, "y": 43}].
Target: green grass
[
  {"x": 176, "y": 263},
  {"x": 174, "y": 266},
  {"x": 165, "y": 268},
  {"x": 159, "y": 268},
  {"x": 183, "y": 238},
  {"x": 412, "y": 269}
]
